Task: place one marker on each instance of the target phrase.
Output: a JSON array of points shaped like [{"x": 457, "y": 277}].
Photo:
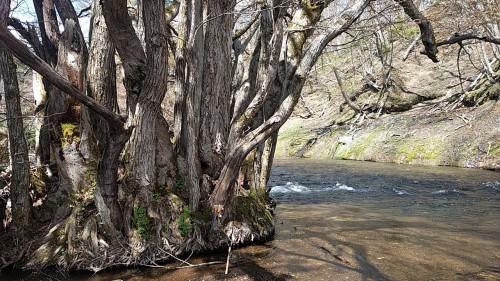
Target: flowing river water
[{"x": 344, "y": 220}]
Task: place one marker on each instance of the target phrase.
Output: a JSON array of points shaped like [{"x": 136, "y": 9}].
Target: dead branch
[
  {"x": 457, "y": 38},
  {"x": 344, "y": 94},
  {"x": 200, "y": 264},
  {"x": 425, "y": 26}
]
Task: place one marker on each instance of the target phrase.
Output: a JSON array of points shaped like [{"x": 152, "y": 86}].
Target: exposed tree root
[{"x": 80, "y": 242}]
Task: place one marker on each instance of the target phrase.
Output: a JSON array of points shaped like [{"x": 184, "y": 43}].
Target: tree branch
[
  {"x": 425, "y": 26},
  {"x": 457, "y": 38},
  {"x": 344, "y": 94},
  {"x": 22, "y": 52},
  {"x": 238, "y": 33}
]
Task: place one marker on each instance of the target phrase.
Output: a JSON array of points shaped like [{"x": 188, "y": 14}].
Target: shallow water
[
  {"x": 389, "y": 221},
  {"x": 449, "y": 195},
  {"x": 344, "y": 220}
]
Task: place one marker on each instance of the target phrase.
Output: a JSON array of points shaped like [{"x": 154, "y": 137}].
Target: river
[{"x": 345, "y": 220}]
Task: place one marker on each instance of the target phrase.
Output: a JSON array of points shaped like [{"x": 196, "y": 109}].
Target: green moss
[
  {"x": 485, "y": 90},
  {"x": 494, "y": 149},
  {"x": 252, "y": 208},
  {"x": 70, "y": 133},
  {"x": 243, "y": 205},
  {"x": 141, "y": 220},
  {"x": 179, "y": 184},
  {"x": 469, "y": 149},
  {"x": 184, "y": 222},
  {"x": 292, "y": 138},
  {"x": 357, "y": 149},
  {"x": 411, "y": 151}
]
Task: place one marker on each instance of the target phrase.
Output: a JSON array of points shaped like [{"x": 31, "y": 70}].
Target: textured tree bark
[
  {"x": 42, "y": 135},
  {"x": 128, "y": 46},
  {"x": 49, "y": 30},
  {"x": 214, "y": 123},
  {"x": 20, "y": 182},
  {"x": 101, "y": 74},
  {"x": 425, "y": 28},
  {"x": 190, "y": 56},
  {"x": 47, "y": 49},
  {"x": 24, "y": 55},
  {"x": 151, "y": 130},
  {"x": 101, "y": 85},
  {"x": 267, "y": 161},
  {"x": 106, "y": 195}
]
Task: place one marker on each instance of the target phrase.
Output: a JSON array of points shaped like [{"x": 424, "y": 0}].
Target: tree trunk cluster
[{"x": 132, "y": 187}]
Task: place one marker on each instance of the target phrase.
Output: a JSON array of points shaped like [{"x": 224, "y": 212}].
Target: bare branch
[
  {"x": 238, "y": 33},
  {"x": 457, "y": 38},
  {"x": 425, "y": 26},
  {"x": 22, "y": 52},
  {"x": 344, "y": 94}
]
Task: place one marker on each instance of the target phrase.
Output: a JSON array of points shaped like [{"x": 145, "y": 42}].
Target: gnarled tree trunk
[{"x": 20, "y": 182}]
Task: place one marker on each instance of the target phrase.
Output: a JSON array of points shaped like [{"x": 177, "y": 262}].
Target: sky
[{"x": 24, "y": 11}]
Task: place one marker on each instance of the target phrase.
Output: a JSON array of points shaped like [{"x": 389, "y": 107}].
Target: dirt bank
[{"x": 465, "y": 137}]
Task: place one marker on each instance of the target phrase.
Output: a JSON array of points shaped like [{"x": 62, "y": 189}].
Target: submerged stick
[{"x": 200, "y": 264}]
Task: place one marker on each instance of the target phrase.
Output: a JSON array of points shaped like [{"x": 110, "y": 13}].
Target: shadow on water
[
  {"x": 359, "y": 221},
  {"x": 358, "y": 264}
]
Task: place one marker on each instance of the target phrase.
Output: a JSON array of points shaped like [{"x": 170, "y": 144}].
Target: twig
[
  {"x": 173, "y": 256},
  {"x": 200, "y": 264},
  {"x": 337, "y": 257},
  {"x": 461, "y": 126},
  {"x": 227, "y": 262}
]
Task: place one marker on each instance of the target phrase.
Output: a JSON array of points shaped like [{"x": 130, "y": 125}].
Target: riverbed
[{"x": 346, "y": 220}]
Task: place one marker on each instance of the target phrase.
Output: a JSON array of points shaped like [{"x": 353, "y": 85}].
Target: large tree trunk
[
  {"x": 189, "y": 60},
  {"x": 105, "y": 143},
  {"x": 20, "y": 182},
  {"x": 47, "y": 49},
  {"x": 292, "y": 86},
  {"x": 214, "y": 123},
  {"x": 225, "y": 125}
]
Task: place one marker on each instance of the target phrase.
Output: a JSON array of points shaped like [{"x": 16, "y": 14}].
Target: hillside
[{"x": 428, "y": 117}]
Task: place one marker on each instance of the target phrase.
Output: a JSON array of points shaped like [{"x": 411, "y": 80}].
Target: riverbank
[{"x": 463, "y": 137}]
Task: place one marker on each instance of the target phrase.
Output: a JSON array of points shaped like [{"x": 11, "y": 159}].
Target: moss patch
[
  {"x": 411, "y": 151},
  {"x": 293, "y": 138},
  {"x": 184, "y": 222},
  {"x": 494, "y": 149},
  {"x": 358, "y": 149},
  {"x": 141, "y": 220},
  {"x": 70, "y": 133}
]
